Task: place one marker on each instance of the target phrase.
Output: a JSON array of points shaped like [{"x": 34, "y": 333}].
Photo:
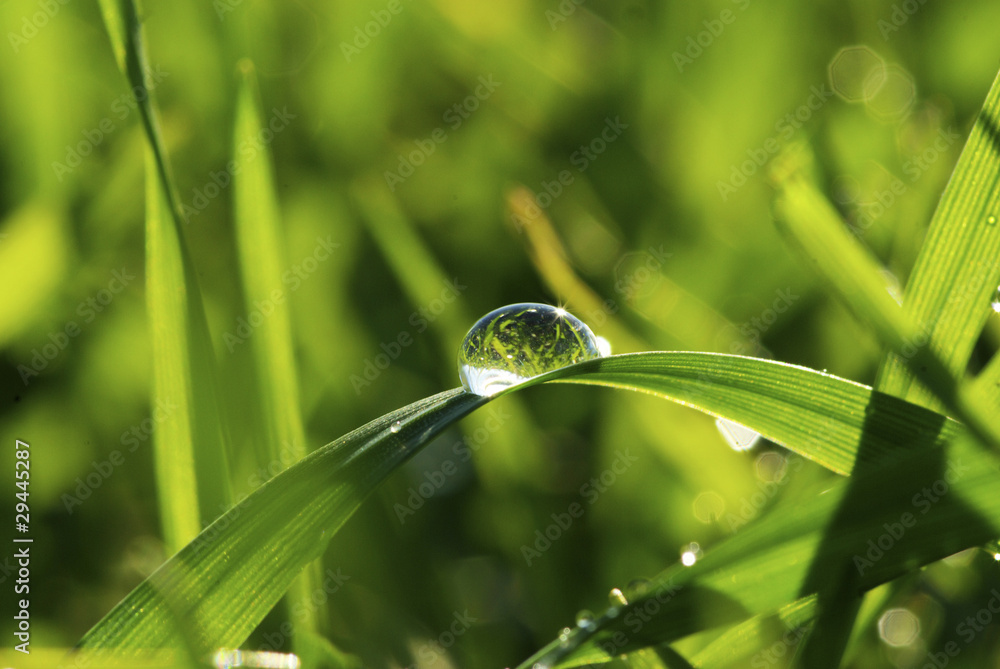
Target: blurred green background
[{"x": 435, "y": 161}]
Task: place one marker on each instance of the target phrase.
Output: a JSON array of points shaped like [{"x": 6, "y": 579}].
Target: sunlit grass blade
[
  {"x": 746, "y": 640},
  {"x": 192, "y": 475},
  {"x": 261, "y": 247},
  {"x": 214, "y": 585},
  {"x": 222, "y": 585},
  {"x": 811, "y": 223},
  {"x": 834, "y": 422},
  {"x": 772, "y": 562},
  {"x": 958, "y": 268}
]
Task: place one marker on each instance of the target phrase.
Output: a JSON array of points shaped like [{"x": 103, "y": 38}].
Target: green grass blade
[
  {"x": 834, "y": 422},
  {"x": 220, "y": 586},
  {"x": 958, "y": 268},
  {"x": 261, "y": 247},
  {"x": 190, "y": 489},
  {"x": 189, "y": 444},
  {"x": 214, "y": 584},
  {"x": 810, "y": 221},
  {"x": 773, "y": 562}
]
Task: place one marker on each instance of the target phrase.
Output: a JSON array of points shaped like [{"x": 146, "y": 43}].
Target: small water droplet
[
  {"x": 512, "y": 344},
  {"x": 564, "y": 636},
  {"x": 585, "y": 620},
  {"x": 617, "y": 597},
  {"x": 690, "y": 554},
  {"x": 991, "y": 220},
  {"x": 739, "y": 437},
  {"x": 396, "y": 427},
  {"x": 995, "y": 304}
]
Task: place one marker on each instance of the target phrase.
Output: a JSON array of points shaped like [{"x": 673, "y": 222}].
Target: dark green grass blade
[{"x": 772, "y": 562}]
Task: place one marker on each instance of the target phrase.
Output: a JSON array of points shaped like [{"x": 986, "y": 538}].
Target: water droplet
[
  {"x": 512, "y": 344},
  {"x": 396, "y": 427},
  {"x": 690, "y": 554},
  {"x": 617, "y": 597},
  {"x": 564, "y": 636},
  {"x": 996, "y": 301},
  {"x": 739, "y": 437},
  {"x": 585, "y": 620},
  {"x": 991, "y": 220}
]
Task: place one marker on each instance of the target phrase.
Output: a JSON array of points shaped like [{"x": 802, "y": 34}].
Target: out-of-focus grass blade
[
  {"x": 834, "y": 422},
  {"x": 810, "y": 222},
  {"x": 958, "y": 268},
  {"x": 121, "y": 18},
  {"x": 220, "y": 586},
  {"x": 183, "y": 361},
  {"x": 192, "y": 475},
  {"x": 261, "y": 247},
  {"x": 47, "y": 658},
  {"x": 770, "y": 564},
  {"x": 418, "y": 272}
]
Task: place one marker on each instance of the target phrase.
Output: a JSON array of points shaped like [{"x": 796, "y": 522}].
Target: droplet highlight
[
  {"x": 512, "y": 344},
  {"x": 396, "y": 427},
  {"x": 585, "y": 620},
  {"x": 690, "y": 554},
  {"x": 995, "y": 304},
  {"x": 617, "y": 597}
]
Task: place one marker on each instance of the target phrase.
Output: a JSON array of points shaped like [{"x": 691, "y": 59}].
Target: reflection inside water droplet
[
  {"x": 515, "y": 343},
  {"x": 585, "y": 620},
  {"x": 396, "y": 427}
]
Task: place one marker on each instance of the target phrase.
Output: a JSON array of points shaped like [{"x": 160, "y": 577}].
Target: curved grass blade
[
  {"x": 830, "y": 420},
  {"x": 220, "y": 586},
  {"x": 213, "y": 586}
]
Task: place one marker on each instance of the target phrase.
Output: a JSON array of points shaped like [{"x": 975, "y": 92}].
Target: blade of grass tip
[
  {"x": 261, "y": 249},
  {"x": 222, "y": 584},
  {"x": 958, "y": 267},
  {"x": 810, "y": 222},
  {"x": 550, "y": 260}
]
